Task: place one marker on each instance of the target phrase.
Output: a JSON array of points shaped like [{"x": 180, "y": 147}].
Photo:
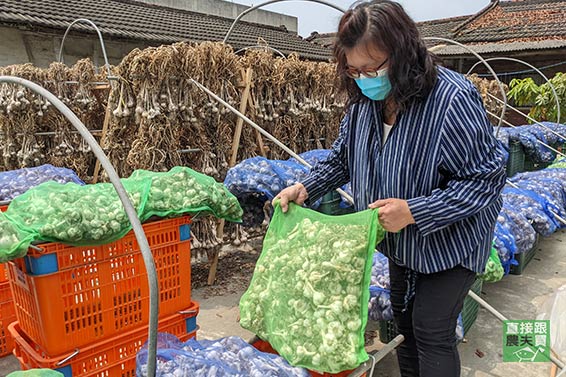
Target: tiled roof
[
  {"x": 487, "y": 48},
  {"x": 440, "y": 28},
  {"x": 503, "y": 26},
  {"x": 434, "y": 28},
  {"x": 133, "y": 20},
  {"x": 325, "y": 39},
  {"x": 511, "y": 20}
]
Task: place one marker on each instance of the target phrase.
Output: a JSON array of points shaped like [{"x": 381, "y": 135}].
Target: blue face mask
[{"x": 375, "y": 88}]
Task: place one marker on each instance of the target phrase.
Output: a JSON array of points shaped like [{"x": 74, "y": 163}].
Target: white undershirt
[{"x": 386, "y": 130}]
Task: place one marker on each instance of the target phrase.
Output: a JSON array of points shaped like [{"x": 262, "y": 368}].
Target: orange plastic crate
[
  {"x": 7, "y": 316},
  {"x": 114, "y": 357},
  {"x": 5, "y": 292},
  {"x": 59, "y": 257},
  {"x": 87, "y": 303},
  {"x": 3, "y": 273},
  {"x": 3, "y": 208}
]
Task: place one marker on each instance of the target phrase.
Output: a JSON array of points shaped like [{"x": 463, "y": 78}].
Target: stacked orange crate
[
  {"x": 113, "y": 357},
  {"x": 89, "y": 297},
  {"x": 7, "y": 314}
]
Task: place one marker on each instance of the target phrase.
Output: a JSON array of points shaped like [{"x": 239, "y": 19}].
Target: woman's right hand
[{"x": 296, "y": 193}]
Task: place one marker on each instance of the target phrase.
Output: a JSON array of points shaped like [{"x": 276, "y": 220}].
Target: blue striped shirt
[{"x": 441, "y": 156}]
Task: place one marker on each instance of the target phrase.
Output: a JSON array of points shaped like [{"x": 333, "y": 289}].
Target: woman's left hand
[{"x": 394, "y": 214}]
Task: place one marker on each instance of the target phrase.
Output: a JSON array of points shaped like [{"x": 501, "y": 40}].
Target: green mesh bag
[
  {"x": 184, "y": 190},
  {"x": 36, "y": 373},
  {"x": 493, "y": 268},
  {"x": 94, "y": 215},
  {"x": 560, "y": 162},
  {"x": 309, "y": 293},
  {"x": 14, "y": 242},
  {"x": 75, "y": 214}
]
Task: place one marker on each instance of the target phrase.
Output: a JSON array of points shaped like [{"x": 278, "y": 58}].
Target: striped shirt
[{"x": 441, "y": 156}]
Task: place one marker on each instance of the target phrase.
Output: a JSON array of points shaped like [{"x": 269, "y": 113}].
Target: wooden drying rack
[{"x": 246, "y": 83}]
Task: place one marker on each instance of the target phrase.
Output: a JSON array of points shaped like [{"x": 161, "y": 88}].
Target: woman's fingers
[{"x": 296, "y": 193}]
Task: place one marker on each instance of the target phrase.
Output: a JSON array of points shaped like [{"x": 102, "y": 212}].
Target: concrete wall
[
  {"x": 12, "y": 47},
  {"x": 41, "y": 49},
  {"x": 230, "y": 10}
]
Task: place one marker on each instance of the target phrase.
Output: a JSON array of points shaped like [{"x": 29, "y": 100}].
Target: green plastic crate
[
  {"x": 330, "y": 205},
  {"x": 524, "y": 259},
  {"x": 470, "y": 311},
  {"x": 516, "y": 161},
  {"x": 532, "y": 165},
  {"x": 471, "y": 307},
  {"x": 386, "y": 331}
]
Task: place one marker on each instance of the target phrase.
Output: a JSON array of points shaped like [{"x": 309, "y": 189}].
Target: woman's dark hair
[{"x": 385, "y": 25}]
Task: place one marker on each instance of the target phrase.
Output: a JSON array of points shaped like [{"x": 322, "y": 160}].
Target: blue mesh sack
[
  {"x": 544, "y": 133},
  {"x": 551, "y": 190},
  {"x": 16, "y": 182},
  {"x": 266, "y": 178},
  {"x": 519, "y": 226},
  {"x": 226, "y": 357},
  {"x": 380, "y": 271},
  {"x": 257, "y": 180},
  {"x": 528, "y": 140},
  {"x": 557, "y": 127},
  {"x": 534, "y": 207},
  {"x": 503, "y": 136},
  {"x": 260, "y": 175},
  {"x": 460, "y": 328},
  {"x": 379, "y": 307},
  {"x": 552, "y": 173},
  {"x": 541, "y": 152},
  {"x": 531, "y": 136},
  {"x": 504, "y": 243},
  {"x": 314, "y": 156}
]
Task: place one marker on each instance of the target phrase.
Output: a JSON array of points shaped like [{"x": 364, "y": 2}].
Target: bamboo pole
[
  {"x": 233, "y": 158},
  {"x": 103, "y": 137},
  {"x": 240, "y": 121}
]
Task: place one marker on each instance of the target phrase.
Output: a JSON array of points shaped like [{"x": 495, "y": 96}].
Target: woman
[{"x": 417, "y": 144}]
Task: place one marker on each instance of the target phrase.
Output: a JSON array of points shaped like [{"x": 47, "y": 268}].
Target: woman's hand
[
  {"x": 296, "y": 193},
  {"x": 394, "y": 214}
]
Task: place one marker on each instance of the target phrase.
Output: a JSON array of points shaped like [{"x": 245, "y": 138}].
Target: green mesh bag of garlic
[
  {"x": 493, "y": 268},
  {"x": 94, "y": 215},
  {"x": 309, "y": 293},
  {"x": 183, "y": 190}
]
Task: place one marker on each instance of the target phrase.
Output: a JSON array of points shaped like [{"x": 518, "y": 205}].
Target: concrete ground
[{"x": 516, "y": 297}]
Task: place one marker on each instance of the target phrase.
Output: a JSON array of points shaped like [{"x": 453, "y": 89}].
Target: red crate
[
  {"x": 114, "y": 357},
  {"x": 264, "y": 346},
  {"x": 3, "y": 208},
  {"x": 7, "y": 316},
  {"x": 84, "y": 304}
]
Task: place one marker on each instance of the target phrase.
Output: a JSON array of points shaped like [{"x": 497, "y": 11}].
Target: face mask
[{"x": 375, "y": 88}]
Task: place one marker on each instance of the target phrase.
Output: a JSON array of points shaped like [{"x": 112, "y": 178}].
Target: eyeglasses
[{"x": 355, "y": 73}]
